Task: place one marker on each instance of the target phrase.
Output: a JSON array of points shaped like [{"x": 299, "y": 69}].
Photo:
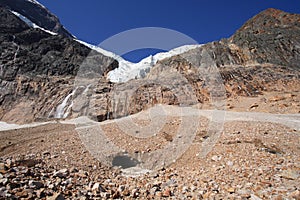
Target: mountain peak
[
  {"x": 37, "y": 14},
  {"x": 272, "y": 11},
  {"x": 271, "y": 18},
  {"x": 271, "y": 36}
]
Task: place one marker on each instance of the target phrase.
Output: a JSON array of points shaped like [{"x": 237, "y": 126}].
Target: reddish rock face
[{"x": 260, "y": 58}]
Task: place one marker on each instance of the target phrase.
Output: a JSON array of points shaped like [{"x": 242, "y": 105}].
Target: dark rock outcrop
[
  {"x": 37, "y": 69},
  {"x": 272, "y": 36},
  {"x": 37, "y": 14}
]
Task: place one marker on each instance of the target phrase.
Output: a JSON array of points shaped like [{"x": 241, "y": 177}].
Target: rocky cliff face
[
  {"x": 46, "y": 76},
  {"x": 36, "y": 13},
  {"x": 271, "y": 36},
  {"x": 37, "y": 69},
  {"x": 261, "y": 58}
]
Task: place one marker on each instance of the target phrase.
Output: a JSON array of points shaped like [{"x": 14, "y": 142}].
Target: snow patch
[
  {"x": 7, "y": 126},
  {"x": 31, "y": 24},
  {"x": 134, "y": 171},
  {"x": 36, "y": 2},
  {"x": 102, "y": 51}
]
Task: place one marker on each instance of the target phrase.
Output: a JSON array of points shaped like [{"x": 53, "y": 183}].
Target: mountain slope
[
  {"x": 257, "y": 69},
  {"x": 38, "y": 69}
]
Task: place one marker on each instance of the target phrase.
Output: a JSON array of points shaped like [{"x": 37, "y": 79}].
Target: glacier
[
  {"x": 126, "y": 70},
  {"x": 129, "y": 70}
]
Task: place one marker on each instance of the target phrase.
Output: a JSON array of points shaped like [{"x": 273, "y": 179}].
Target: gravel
[{"x": 251, "y": 160}]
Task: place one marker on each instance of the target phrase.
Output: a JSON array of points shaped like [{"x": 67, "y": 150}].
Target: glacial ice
[{"x": 128, "y": 70}]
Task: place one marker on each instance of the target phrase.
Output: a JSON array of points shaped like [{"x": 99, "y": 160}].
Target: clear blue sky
[{"x": 94, "y": 21}]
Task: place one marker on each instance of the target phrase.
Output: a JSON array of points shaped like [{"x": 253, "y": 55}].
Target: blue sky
[{"x": 94, "y": 21}]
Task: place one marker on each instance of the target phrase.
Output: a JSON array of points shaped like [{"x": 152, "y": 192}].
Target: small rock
[
  {"x": 121, "y": 188},
  {"x": 244, "y": 193},
  {"x": 46, "y": 153},
  {"x": 157, "y": 183},
  {"x": 81, "y": 174},
  {"x": 254, "y": 197},
  {"x": 105, "y": 195},
  {"x": 73, "y": 170},
  {"x": 2, "y": 168},
  {"x": 29, "y": 193},
  {"x": 279, "y": 197},
  {"x": 22, "y": 194},
  {"x": 89, "y": 193},
  {"x": 67, "y": 182},
  {"x": 35, "y": 184},
  {"x": 153, "y": 190},
  {"x": 126, "y": 192},
  {"x": 215, "y": 158},
  {"x": 40, "y": 193},
  {"x": 135, "y": 193},
  {"x": 166, "y": 193},
  {"x": 98, "y": 188},
  {"x": 229, "y": 163},
  {"x": 51, "y": 186},
  {"x": 159, "y": 194},
  {"x": 54, "y": 156},
  {"x": 253, "y": 106},
  {"x": 28, "y": 162},
  {"x": 61, "y": 173},
  {"x": 295, "y": 195},
  {"x": 7, "y": 194},
  {"x": 290, "y": 174},
  {"x": 56, "y": 196},
  {"x": 13, "y": 185},
  {"x": 4, "y": 181},
  {"x": 206, "y": 195},
  {"x": 276, "y": 98},
  {"x": 185, "y": 189},
  {"x": 116, "y": 195},
  {"x": 8, "y": 162},
  {"x": 231, "y": 190}
]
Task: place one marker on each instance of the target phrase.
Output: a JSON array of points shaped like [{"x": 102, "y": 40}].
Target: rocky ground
[
  {"x": 256, "y": 155},
  {"x": 251, "y": 160}
]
